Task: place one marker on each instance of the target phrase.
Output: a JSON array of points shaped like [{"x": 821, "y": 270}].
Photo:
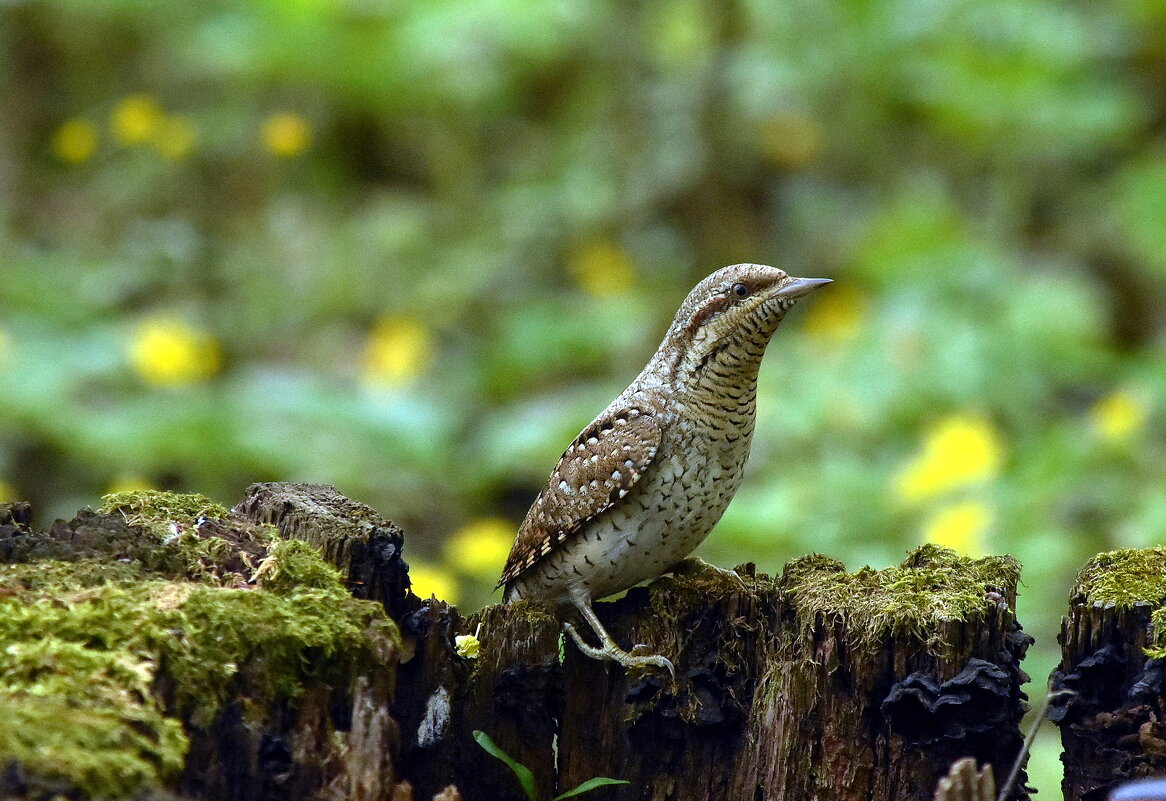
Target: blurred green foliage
[{"x": 411, "y": 248}]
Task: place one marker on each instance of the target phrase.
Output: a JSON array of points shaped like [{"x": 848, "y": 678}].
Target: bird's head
[{"x": 733, "y": 313}]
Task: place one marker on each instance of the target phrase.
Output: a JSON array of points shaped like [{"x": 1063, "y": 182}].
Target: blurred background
[{"x": 410, "y": 249}]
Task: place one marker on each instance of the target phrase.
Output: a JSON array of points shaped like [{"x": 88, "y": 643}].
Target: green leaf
[
  {"x": 588, "y": 786},
  {"x": 525, "y": 777}
]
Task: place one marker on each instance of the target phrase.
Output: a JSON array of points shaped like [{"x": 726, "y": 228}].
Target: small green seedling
[{"x": 526, "y": 778}]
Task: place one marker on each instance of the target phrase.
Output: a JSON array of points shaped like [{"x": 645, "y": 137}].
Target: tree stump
[
  {"x": 257, "y": 675},
  {"x": 818, "y": 685},
  {"x": 162, "y": 648},
  {"x": 1113, "y": 647}
]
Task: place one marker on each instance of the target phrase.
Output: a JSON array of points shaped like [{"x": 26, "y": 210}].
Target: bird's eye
[{"x": 740, "y": 290}]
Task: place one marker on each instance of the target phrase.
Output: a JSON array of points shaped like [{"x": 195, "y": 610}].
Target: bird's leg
[
  {"x": 695, "y": 566},
  {"x": 610, "y": 650}
]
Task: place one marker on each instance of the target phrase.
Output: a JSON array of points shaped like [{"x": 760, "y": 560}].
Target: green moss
[
  {"x": 1158, "y": 634},
  {"x": 76, "y": 681},
  {"x": 932, "y": 586},
  {"x": 154, "y": 508},
  {"x": 178, "y": 546},
  {"x": 534, "y": 611},
  {"x": 294, "y": 565},
  {"x": 1123, "y": 578},
  {"x": 87, "y": 644},
  {"x": 692, "y": 586},
  {"x": 108, "y": 752},
  {"x": 53, "y": 577},
  {"x": 270, "y": 644}
]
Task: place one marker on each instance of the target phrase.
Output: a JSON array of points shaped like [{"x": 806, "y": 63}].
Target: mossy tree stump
[
  {"x": 819, "y": 684},
  {"x": 161, "y": 648},
  {"x": 1113, "y": 665}
]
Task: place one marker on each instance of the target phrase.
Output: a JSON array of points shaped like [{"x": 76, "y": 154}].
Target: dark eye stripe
[{"x": 713, "y": 306}]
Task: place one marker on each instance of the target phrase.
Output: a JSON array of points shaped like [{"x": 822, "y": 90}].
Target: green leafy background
[{"x": 411, "y": 248}]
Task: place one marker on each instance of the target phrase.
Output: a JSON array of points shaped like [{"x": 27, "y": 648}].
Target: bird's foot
[
  {"x": 695, "y": 566},
  {"x": 609, "y": 651}
]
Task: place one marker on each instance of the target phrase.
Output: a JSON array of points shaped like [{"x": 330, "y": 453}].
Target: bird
[{"x": 645, "y": 482}]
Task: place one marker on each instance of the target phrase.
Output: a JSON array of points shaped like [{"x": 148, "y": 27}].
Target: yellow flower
[
  {"x": 481, "y": 546},
  {"x": 1118, "y": 416},
  {"x": 960, "y": 526},
  {"x": 135, "y": 119},
  {"x": 168, "y": 351},
  {"x": 75, "y": 141},
  {"x": 397, "y": 350},
  {"x": 432, "y": 582},
  {"x": 129, "y": 483},
  {"x": 467, "y": 646},
  {"x": 602, "y": 268},
  {"x": 836, "y": 317},
  {"x": 791, "y": 139},
  {"x": 174, "y": 137},
  {"x": 8, "y": 492},
  {"x": 286, "y": 134},
  {"x": 959, "y": 451}
]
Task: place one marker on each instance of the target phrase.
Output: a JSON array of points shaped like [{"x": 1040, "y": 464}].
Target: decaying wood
[
  {"x": 771, "y": 706},
  {"x": 1111, "y": 705},
  {"x": 965, "y": 783},
  {"x": 767, "y": 705}
]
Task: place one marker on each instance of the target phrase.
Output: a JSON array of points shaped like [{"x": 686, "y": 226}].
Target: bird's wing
[{"x": 597, "y": 469}]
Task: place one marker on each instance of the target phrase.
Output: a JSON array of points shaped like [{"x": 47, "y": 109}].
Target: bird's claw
[
  {"x": 612, "y": 652},
  {"x": 654, "y": 659},
  {"x": 638, "y": 652},
  {"x": 634, "y": 660}
]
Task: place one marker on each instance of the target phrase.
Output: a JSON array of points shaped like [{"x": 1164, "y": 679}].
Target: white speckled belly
[{"x": 659, "y": 523}]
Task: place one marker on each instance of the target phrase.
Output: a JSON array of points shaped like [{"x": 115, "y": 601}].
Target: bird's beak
[{"x": 797, "y": 287}]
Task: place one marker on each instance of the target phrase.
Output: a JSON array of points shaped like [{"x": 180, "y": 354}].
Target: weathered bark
[
  {"x": 782, "y": 692},
  {"x": 784, "y": 695},
  {"x": 513, "y": 692},
  {"x": 780, "y": 696},
  {"x": 1111, "y": 710}
]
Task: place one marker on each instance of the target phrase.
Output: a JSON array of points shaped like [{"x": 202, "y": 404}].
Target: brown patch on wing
[{"x": 597, "y": 469}]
